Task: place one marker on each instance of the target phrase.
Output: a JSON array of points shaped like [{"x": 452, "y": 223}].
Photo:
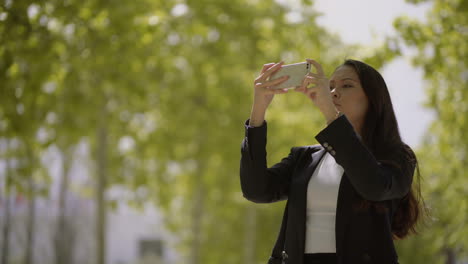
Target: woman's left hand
[{"x": 317, "y": 87}]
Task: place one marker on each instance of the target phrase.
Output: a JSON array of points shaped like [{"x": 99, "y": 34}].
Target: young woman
[{"x": 351, "y": 195}]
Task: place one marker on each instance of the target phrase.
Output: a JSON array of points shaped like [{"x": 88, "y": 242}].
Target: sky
[{"x": 368, "y": 21}]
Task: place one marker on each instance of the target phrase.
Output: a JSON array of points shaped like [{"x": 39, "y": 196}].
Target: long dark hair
[{"x": 381, "y": 135}]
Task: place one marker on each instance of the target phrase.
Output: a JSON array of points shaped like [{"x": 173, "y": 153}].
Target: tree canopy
[{"x": 442, "y": 52}]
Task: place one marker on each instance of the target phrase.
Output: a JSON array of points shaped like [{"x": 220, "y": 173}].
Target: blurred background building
[{"x": 134, "y": 235}]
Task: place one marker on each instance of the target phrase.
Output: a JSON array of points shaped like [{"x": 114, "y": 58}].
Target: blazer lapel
[{"x": 316, "y": 157}]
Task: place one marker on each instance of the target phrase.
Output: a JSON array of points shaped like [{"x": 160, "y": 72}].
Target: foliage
[{"x": 443, "y": 54}]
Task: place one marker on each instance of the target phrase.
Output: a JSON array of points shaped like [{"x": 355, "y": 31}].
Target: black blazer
[{"x": 362, "y": 235}]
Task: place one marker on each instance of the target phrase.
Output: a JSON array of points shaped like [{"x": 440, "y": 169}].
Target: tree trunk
[
  {"x": 7, "y": 215},
  {"x": 63, "y": 248},
  {"x": 450, "y": 256},
  {"x": 101, "y": 209},
  {"x": 31, "y": 221},
  {"x": 250, "y": 235},
  {"x": 197, "y": 215},
  {"x": 6, "y": 230}
]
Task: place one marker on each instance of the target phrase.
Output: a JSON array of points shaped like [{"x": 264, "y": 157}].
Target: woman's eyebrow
[{"x": 351, "y": 79}]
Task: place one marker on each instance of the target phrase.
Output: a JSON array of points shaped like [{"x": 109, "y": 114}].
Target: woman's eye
[{"x": 347, "y": 85}]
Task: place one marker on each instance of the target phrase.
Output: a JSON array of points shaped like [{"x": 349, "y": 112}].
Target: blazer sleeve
[
  {"x": 259, "y": 183},
  {"x": 373, "y": 180}
]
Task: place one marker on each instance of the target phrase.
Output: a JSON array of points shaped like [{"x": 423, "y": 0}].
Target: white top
[{"x": 322, "y": 194}]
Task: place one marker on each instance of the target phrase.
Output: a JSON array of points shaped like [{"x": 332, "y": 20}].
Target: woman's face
[{"x": 348, "y": 95}]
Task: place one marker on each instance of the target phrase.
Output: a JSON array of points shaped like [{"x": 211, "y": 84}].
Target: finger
[
  {"x": 306, "y": 82},
  {"x": 317, "y": 66},
  {"x": 314, "y": 75},
  {"x": 311, "y": 86},
  {"x": 272, "y": 83},
  {"x": 302, "y": 88},
  {"x": 299, "y": 89},
  {"x": 267, "y": 66},
  {"x": 311, "y": 91},
  {"x": 275, "y": 91},
  {"x": 272, "y": 70},
  {"x": 311, "y": 81}
]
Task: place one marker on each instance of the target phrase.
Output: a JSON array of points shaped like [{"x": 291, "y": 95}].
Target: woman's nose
[{"x": 335, "y": 94}]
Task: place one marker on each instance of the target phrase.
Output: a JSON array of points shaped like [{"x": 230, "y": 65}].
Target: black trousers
[{"x": 320, "y": 258}]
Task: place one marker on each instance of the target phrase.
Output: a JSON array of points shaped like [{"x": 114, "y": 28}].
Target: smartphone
[{"x": 296, "y": 73}]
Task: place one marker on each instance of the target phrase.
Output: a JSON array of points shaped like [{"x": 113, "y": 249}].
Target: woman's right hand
[{"x": 264, "y": 92}]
